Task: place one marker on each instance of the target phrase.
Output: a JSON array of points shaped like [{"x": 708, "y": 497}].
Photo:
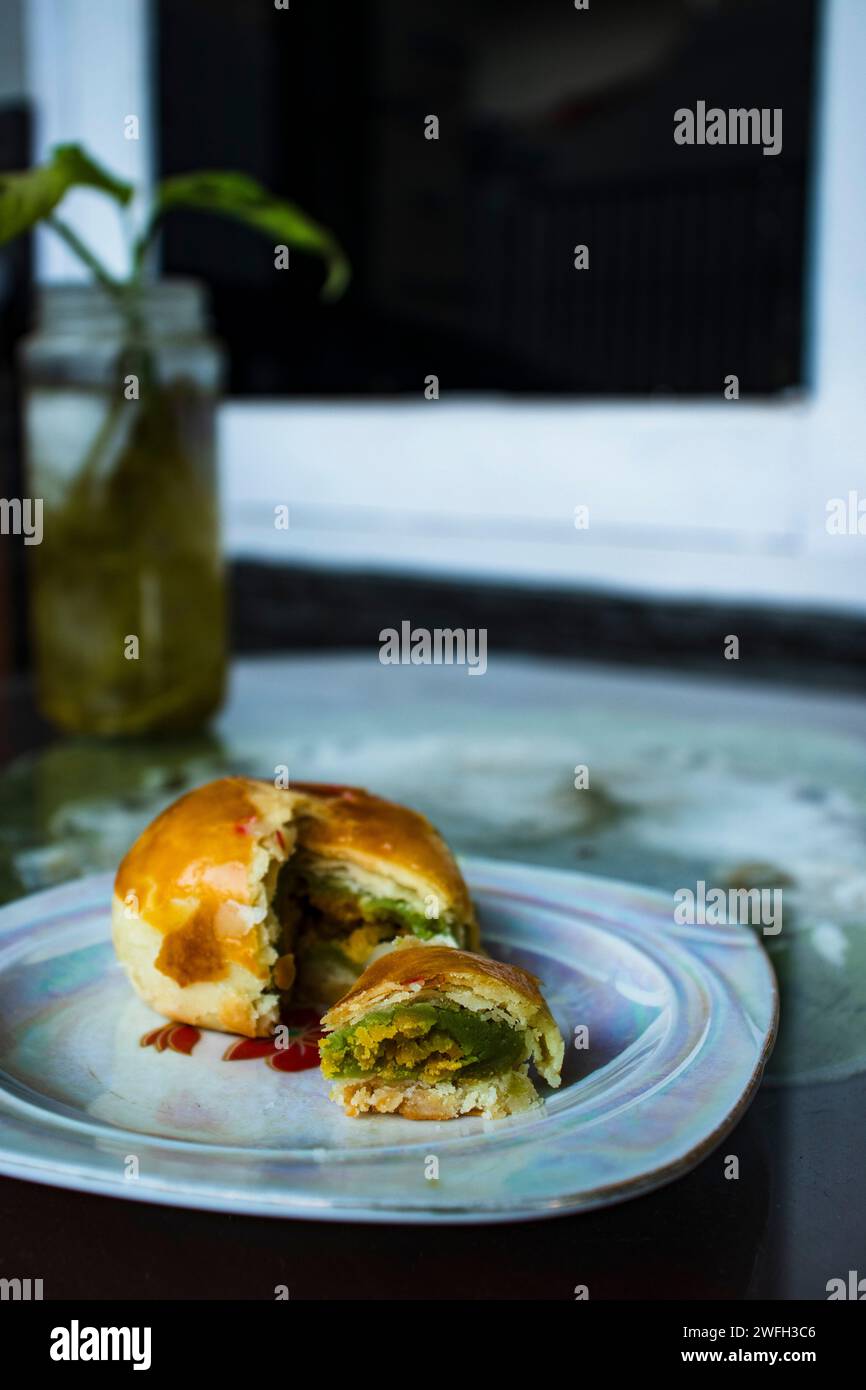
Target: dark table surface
[{"x": 692, "y": 777}]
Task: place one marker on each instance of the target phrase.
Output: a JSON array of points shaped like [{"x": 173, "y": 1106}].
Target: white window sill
[{"x": 708, "y": 500}]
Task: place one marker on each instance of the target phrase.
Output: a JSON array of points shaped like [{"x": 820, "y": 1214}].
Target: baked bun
[
  {"x": 241, "y": 894},
  {"x": 431, "y": 1034},
  {"x": 368, "y": 875}
]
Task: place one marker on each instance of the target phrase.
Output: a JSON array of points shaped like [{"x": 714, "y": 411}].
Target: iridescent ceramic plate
[{"x": 679, "y": 1023}]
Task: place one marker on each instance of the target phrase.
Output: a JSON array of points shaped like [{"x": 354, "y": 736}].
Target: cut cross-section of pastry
[
  {"x": 368, "y": 874},
  {"x": 242, "y": 893},
  {"x": 431, "y": 1034}
]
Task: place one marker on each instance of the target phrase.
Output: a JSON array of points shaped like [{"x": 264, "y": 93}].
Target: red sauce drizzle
[
  {"x": 299, "y": 1053},
  {"x": 178, "y": 1037}
]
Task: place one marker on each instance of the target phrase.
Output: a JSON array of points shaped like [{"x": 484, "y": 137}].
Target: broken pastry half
[
  {"x": 242, "y": 895},
  {"x": 434, "y": 1033}
]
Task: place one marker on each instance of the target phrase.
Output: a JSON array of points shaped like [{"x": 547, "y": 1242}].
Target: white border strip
[{"x": 88, "y": 69}]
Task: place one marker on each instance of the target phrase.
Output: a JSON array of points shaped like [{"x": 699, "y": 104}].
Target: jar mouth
[{"x": 161, "y": 308}]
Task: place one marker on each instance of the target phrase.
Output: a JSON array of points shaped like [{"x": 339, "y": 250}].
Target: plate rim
[{"x": 201, "y": 1196}]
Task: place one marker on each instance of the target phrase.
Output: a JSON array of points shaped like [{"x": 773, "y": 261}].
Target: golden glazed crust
[
  {"x": 421, "y": 972},
  {"x": 433, "y": 968},
  {"x": 197, "y": 860},
  {"x": 236, "y": 1002},
  {"x": 352, "y": 826},
  {"x": 191, "y": 917}
]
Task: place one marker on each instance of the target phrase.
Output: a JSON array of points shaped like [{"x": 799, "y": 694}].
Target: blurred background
[
  {"x": 476, "y": 435},
  {"x": 557, "y": 388}
]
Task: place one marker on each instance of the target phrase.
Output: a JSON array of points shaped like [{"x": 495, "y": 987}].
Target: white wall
[{"x": 88, "y": 68}]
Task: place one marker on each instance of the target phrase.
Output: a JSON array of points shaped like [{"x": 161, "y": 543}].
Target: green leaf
[
  {"x": 242, "y": 198},
  {"x": 31, "y": 196}
]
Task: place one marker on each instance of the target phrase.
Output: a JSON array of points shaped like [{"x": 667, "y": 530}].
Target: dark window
[{"x": 556, "y": 129}]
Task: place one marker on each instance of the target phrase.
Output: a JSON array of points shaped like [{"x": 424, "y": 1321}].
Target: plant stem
[
  {"x": 96, "y": 268},
  {"x": 143, "y": 244},
  {"x": 125, "y": 292},
  {"x": 127, "y": 296}
]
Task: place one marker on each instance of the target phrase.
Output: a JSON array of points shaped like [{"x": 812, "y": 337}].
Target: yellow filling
[
  {"x": 399, "y": 1042},
  {"x": 360, "y": 943}
]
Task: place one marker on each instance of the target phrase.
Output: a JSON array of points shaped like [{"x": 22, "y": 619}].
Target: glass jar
[{"x": 127, "y": 583}]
